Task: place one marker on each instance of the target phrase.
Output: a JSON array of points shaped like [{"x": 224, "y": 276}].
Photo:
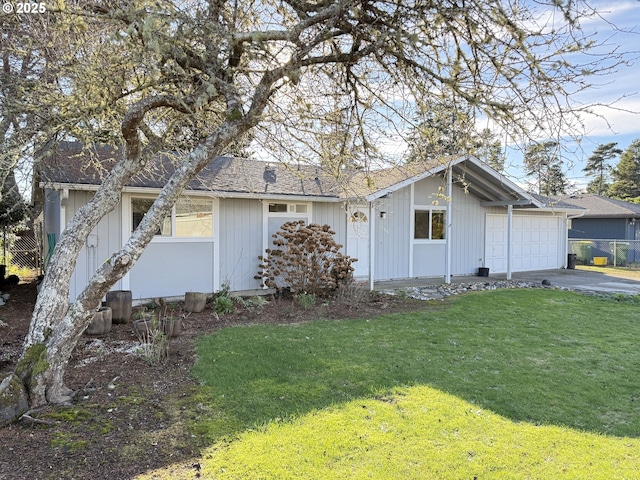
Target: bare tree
[{"x": 197, "y": 77}]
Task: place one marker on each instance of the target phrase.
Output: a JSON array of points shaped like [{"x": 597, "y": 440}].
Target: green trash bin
[
  {"x": 619, "y": 253},
  {"x": 582, "y": 249}
]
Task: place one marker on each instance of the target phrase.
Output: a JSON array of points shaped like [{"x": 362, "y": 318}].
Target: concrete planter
[
  {"x": 101, "y": 322},
  {"x": 195, "y": 301},
  {"x": 120, "y": 302}
]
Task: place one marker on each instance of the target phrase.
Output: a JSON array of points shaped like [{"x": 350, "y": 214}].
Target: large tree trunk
[{"x": 57, "y": 326}]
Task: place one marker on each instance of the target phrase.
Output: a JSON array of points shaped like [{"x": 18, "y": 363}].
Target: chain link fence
[
  {"x": 620, "y": 253},
  {"x": 20, "y": 251}
]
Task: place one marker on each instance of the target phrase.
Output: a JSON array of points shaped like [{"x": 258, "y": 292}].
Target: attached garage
[{"x": 536, "y": 243}]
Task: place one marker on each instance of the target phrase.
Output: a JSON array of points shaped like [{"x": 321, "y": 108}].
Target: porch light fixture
[{"x": 383, "y": 214}]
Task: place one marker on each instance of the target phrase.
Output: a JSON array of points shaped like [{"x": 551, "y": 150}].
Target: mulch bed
[{"x": 128, "y": 416}]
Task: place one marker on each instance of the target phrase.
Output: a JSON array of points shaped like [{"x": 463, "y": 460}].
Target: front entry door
[{"x": 358, "y": 241}]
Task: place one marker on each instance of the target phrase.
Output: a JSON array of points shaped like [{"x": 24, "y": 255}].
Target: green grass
[
  {"x": 491, "y": 385},
  {"x": 419, "y": 433}
]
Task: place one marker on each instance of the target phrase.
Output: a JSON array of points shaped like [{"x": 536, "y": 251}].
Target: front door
[{"x": 358, "y": 240}]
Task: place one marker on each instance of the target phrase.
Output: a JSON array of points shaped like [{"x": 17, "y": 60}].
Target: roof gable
[{"x": 468, "y": 172}]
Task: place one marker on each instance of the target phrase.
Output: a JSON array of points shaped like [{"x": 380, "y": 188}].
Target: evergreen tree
[
  {"x": 627, "y": 174},
  {"x": 490, "y": 151},
  {"x": 594, "y": 185},
  {"x": 444, "y": 128},
  {"x": 598, "y": 163},
  {"x": 543, "y": 163}
]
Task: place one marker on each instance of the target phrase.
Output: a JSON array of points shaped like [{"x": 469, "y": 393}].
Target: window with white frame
[
  {"x": 190, "y": 217},
  {"x": 287, "y": 208},
  {"x": 429, "y": 224}
]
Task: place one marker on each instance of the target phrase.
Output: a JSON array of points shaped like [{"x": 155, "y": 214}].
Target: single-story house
[
  {"x": 433, "y": 219},
  {"x": 604, "y": 218},
  {"x": 607, "y": 228}
]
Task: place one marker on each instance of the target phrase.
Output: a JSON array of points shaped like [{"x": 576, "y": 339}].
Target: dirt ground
[{"x": 129, "y": 416}]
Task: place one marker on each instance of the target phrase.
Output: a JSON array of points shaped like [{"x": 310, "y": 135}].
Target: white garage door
[{"x": 536, "y": 243}]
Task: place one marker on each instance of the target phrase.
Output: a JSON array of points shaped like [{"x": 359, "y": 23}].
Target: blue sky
[{"x": 620, "y": 89}]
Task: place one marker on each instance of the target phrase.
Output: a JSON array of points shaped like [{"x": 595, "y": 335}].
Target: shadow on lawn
[{"x": 544, "y": 357}]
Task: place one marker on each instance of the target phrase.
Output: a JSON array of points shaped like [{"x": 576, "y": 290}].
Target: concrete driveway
[{"x": 581, "y": 280}]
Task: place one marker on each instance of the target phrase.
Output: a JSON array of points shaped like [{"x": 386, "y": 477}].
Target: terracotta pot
[
  {"x": 101, "y": 322},
  {"x": 195, "y": 301},
  {"x": 120, "y": 303}
]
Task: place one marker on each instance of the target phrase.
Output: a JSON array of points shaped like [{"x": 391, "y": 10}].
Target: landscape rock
[{"x": 440, "y": 292}]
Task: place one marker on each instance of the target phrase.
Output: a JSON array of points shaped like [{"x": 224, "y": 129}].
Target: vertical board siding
[
  {"x": 332, "y": 214},
  {"x": 429, "y": 191},
  {"x": 240, "y": 239},
  {"x": 393, "y": 236},
  {"x": 467, "y": 232},
  {"x": 106, "y": 237}
]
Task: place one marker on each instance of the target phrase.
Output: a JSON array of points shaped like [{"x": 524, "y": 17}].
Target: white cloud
[{"x": 620, "y": 119}]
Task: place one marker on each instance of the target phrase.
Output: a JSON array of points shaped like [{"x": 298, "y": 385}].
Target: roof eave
[{"x": 86, "y": 187}]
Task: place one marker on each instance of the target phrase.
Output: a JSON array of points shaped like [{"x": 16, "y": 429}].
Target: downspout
[
  {"x": 566, "y": 238},
  {"x": 447, "y": 235},
  {"x": 64, "y": 197},
  {"x": 372, "y": 221},
  {"x": 509, "y": 225}
]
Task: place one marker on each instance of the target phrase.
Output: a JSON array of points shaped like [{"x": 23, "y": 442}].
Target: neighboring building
[
  {"x": 435, "y": 219},
  {"x": 604, "y": 218}
]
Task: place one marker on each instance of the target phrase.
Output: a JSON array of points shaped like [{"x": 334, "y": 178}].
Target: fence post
[{"x": 615, "y": 252}]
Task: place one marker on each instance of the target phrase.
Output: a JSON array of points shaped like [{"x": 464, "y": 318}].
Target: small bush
[
  {"x": 154, "y": 345},
  {"x": 305, "y": 259},
  {"x": 306, "y": 300},
  {"x": 223, "y": 305},
  {"x": 256, "y": 303}
]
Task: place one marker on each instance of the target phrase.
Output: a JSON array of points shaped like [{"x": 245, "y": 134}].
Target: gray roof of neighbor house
[
  {"x": 557, "y": 202},
  {"x": 597, "y": 206},
  {"x": 72, "y": 166}
]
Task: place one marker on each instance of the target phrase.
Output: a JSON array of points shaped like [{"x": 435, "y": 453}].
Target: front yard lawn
[{"x": 506, "y": 384}]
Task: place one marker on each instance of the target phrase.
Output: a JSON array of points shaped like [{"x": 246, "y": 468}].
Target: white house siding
[
  {"x": 241, "y": 240},
  {"x": 332, "y": 214},
  {"x": 467, "y": 232},
  {"x": 428, "y": 257},
  {"x": 102, "y": 242},
  {"x": 168, "y": 269},
  {"x": 392, "y": 235}
]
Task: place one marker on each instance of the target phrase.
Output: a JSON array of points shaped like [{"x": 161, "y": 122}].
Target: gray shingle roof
[
  {"x": 602, "y": 207},
  {"x": 224, "y": 175},
  {"x": 70, "y": 164}
]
